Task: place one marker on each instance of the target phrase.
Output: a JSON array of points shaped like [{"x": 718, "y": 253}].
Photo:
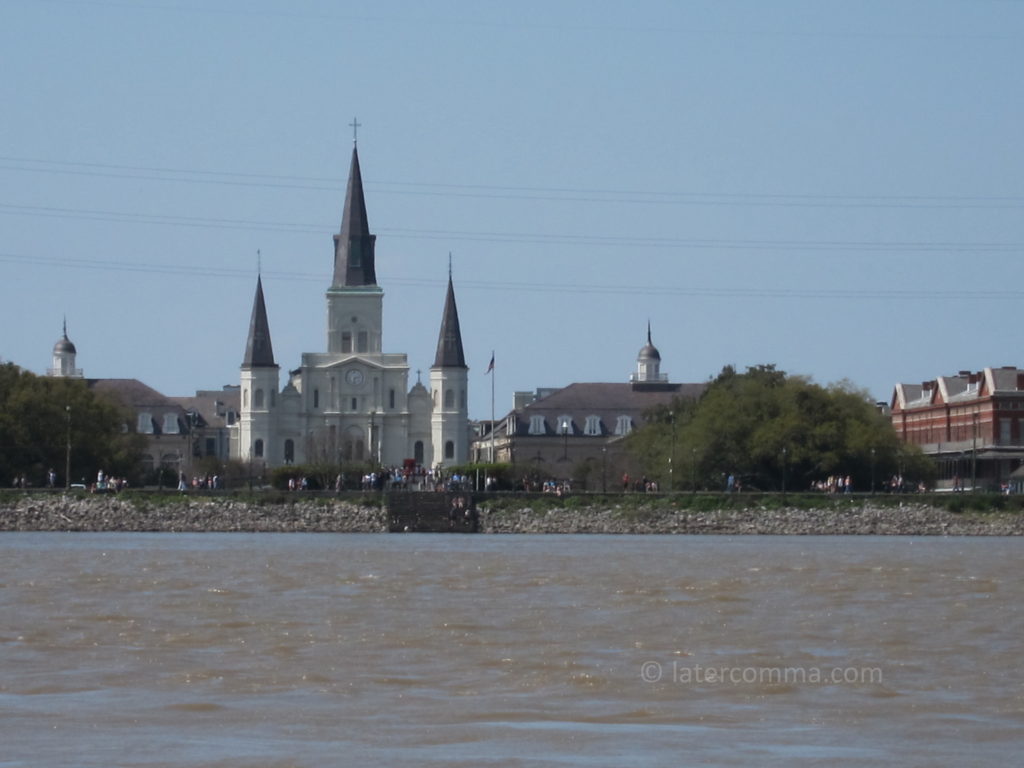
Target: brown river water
[{"x": 239, "y": 650}]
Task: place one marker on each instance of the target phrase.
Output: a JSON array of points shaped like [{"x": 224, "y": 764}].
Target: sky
[{"x": 828, "y": 186}]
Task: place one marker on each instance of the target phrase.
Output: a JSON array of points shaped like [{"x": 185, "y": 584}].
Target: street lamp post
[
  {"x": 693, "y": 470},
  {"x": 67, "y": 452},
  {"x": 872, "y": 471},
  {"x": 672, "y": 455},
  {"x": 785, "y": 451},
  {"x": 565, "y": 439},
  {"x": 373, "y": 450},
  {"x": 974, "y": 453},
  {"x": 604, "y": 469}
]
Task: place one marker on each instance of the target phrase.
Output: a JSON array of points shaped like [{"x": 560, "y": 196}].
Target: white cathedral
[{"x": 353, "y": 403}]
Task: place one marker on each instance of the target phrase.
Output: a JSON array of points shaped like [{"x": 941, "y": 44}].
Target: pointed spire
[
  {"x": 353, "y": 245},
  {"x": 259, "y": 352},
  {"x": 449, "y": 341}
]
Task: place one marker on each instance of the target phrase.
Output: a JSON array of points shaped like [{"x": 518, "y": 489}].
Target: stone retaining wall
[
  {"x": 110, "y": 513},
  {"x": 200, "y": 514},
  {"x": 907, "y": 520}
]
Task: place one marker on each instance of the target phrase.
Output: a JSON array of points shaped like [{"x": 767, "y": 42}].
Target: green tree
[
  {"x": 771, "y": 430},
  {"x": 40, "y": 415}
]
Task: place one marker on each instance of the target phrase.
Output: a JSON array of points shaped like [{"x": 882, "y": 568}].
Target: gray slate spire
[
  {"x": 449, "y": 341},
  {"x": 259, "y": 352},
  {"x": 353, "y": 246}
]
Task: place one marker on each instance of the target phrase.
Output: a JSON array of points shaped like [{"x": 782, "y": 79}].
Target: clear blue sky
[{"x": 834, "y": 187}]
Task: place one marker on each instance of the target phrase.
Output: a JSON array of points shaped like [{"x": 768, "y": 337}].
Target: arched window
[
  {"x": 257, "y": 449},
  {"x": 353, "y": 445},
  {"x": 391, "y": 398},
  {"x": 449, "y": 450},
  {"x": 257, "y": 399},
  {"x": 449, "y": 398},
  {"x": 289, "y": 451},
  {"x": 462, "y": 398},
  {"x": 316, "y": 398},
  {"x": 417, "y": 452},
  {"x": 245, "y": 398}
]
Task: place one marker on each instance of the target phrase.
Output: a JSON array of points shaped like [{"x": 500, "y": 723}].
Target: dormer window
[
  {"x": 537, "y": 426},
  {"x": 623, "y": 425},
  {"x": 564, "y": 425},
  {"x": 170, "y": 424},
  {"x": 592, "y": 427}
]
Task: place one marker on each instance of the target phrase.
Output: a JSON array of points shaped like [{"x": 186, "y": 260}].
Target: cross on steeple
[{"x": 355, "y": 128}]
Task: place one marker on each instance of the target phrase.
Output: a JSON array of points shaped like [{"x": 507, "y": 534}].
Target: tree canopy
[
  {"x": 772, "y": 431},
  {"x": 39, "y": 415}
]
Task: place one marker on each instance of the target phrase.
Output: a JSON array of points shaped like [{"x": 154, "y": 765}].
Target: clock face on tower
[{"x": 354, "y": 377}]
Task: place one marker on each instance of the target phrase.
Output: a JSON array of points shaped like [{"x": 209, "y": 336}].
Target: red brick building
[{"x": 972, "y": 424}]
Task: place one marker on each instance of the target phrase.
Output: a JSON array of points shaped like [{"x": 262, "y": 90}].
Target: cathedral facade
[{"x": 353, "y": 402}]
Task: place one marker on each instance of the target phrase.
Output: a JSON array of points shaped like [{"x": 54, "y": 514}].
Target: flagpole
[{"x": 493, "y": 425}]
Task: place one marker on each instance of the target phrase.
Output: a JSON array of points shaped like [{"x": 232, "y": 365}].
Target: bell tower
[{"x": 449, "y": 378}]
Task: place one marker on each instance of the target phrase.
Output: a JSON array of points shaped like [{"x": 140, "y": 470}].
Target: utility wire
[
  {"x": 630, "y": 241},
  {"x": 509, "y": 192},
  {"x": 526, "y": 287}
]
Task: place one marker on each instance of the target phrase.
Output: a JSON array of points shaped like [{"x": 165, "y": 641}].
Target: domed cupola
[
  {"x": 648, "y": 362},
  {"x": 64, "y": 357},
  {"x": 64, "y": 346},
  {"x": 649, "y": 351}
]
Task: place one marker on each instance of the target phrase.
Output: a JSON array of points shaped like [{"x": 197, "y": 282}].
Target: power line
[
  {"x": 511, "y": 192},
  {"x": 527, "y": 287},
  {"x": 631, "y": 241}
]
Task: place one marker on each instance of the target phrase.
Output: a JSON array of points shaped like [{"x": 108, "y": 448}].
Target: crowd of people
[
  {"x": 392, "y": 479},
  {"x": 107, "y": 484},
  {"x": 834, "y": 484},
  {"x": 200, "y": 483},
  {"x": 639, "y": 484}
]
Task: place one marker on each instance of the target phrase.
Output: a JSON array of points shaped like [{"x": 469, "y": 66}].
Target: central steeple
[
  {"x": 354, "y": 245},
  {"x": 449, "y": 340}
]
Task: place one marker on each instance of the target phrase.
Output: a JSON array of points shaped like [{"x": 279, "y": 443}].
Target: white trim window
[
  {"x": 592, "y": 427},
  {"x": 171, "y": 424},
  {"x": 623, "y": 425},
  {"x": 537, "y": 426},
  {"x": 564, "y": 426}
]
